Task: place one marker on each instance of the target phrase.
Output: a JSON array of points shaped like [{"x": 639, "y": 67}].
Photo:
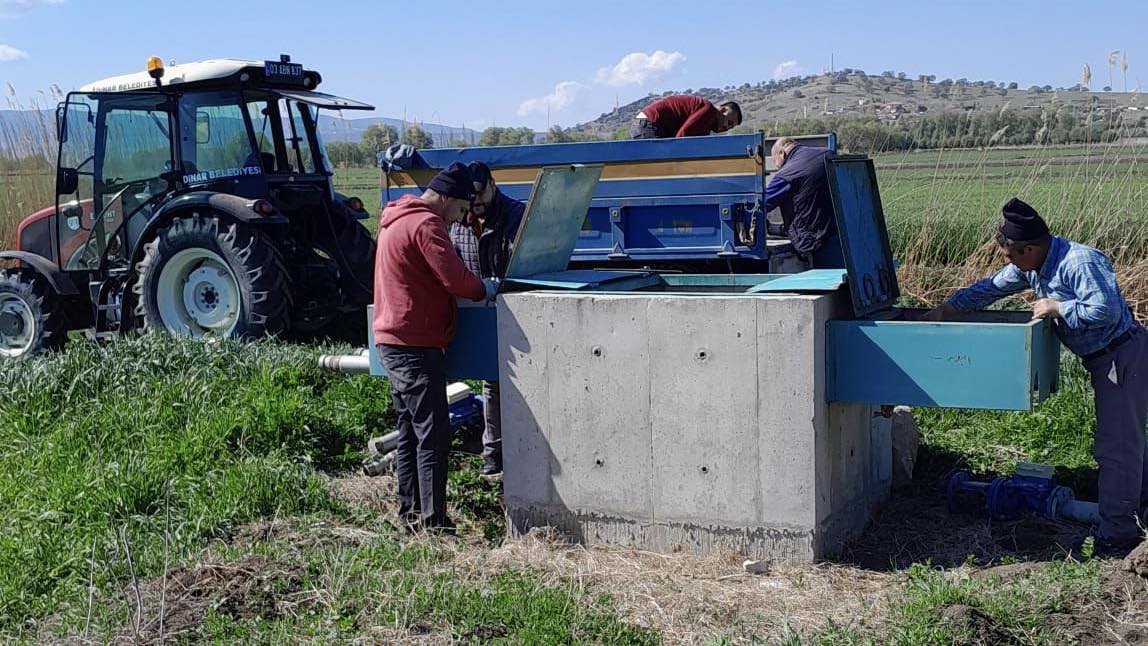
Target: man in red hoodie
[
  {"x": 418, "y": 275},
  {"x": 684, "y": 115}
]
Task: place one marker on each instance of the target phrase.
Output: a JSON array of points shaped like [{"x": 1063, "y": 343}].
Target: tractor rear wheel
[
  {"x": 30, "y": 317},
  {"x": 203, "y": 276}
]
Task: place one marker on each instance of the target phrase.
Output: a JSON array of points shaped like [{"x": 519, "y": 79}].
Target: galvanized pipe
[{"x": 355, "y": 364}]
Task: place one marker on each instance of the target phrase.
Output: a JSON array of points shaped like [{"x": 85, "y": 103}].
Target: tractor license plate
[{"x": 275, "y": 71}]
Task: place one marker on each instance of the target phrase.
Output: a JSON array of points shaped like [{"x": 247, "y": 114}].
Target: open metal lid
[
  {"x": 872, "y": 275},
  {"x": 554, "y": 216}
]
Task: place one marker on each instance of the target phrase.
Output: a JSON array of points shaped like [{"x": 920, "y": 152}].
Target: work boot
[
  {"x": 491, "y": 466},
  {"x": 442, "y": 527}
]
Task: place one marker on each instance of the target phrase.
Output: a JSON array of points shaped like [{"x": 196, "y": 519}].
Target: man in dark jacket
[
  {"x": 801, "y": 189},
  {"x": 683, "y": 115},
  {"x": 484, "y": 242}
]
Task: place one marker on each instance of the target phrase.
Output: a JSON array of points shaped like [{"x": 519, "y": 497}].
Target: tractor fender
[
  {"x": 59, "y": 281},
  {"x": 241, "y": 209}
]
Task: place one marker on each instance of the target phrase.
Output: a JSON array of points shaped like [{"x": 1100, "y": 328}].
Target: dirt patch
[
  {"x": 174, "y": 605},
  {"x": 688, "y": 599},
  {"x": 376, "y": 493},
  {"x": 979, "y": 627},
  {"x": 1119, "y": 614},
  {"x": 916, "y": 526}
]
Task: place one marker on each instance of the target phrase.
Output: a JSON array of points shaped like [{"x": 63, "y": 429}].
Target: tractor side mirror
[
  {"x": 202, "y": 128},
  {"x": 60, "y": 134},
  {"x": 67, "y": 181}
]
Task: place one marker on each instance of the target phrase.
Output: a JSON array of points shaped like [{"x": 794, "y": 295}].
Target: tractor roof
[{"x": 219, "y": 70}]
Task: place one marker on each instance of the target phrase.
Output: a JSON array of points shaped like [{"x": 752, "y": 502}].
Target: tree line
[{"x": 1065, "y": 125}]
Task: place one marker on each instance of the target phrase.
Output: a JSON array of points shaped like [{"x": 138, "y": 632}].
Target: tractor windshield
[{"x": 285, "y": 134}]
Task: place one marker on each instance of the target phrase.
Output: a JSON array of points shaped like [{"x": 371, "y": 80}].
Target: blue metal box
[{"x": 994, "y": 360}]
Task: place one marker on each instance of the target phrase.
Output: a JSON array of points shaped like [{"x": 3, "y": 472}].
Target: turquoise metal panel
[
  {"x": 864, "y": 238},
  {"x": 813, "y": 280},
  {"x": 472, "y": 354},
  {"x": 717, "y": 280},
  {"x": 587, "y": 279},
  {"x": 553, "y": 219},
  {"x": 1000, "y": 366}
]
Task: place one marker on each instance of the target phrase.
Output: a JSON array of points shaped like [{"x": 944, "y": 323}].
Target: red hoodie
[{"x": 417, "y": 276}]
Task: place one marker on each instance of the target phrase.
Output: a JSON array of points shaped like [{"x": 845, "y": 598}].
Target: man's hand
[
  {"x": 943, "y": 313},
  {"x": 1046, "y": 308}
]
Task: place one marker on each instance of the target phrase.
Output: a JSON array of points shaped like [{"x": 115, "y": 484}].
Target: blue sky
[{"x": 537, "y": 63}]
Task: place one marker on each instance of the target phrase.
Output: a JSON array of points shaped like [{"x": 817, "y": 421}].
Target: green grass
[
  {"x": 125, "y": 460},
  {"x": 1017, "y": 606},
  {"x": 362, "y": 183},
  {"x": 1058, "y": 432},
  {"x": 150, "y": 446}
]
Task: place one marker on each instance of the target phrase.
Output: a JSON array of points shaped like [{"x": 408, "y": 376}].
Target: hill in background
[{"x": 889, "y": 98}]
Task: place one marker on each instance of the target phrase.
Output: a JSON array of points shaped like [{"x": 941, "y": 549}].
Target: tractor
[{"x": 195, "y": 200}]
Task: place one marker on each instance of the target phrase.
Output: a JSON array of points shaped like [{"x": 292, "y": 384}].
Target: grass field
[{"x": 207, "y": 484}]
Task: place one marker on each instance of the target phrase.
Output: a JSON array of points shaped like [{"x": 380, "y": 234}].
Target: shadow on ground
[{"x": 916, "y": 526}]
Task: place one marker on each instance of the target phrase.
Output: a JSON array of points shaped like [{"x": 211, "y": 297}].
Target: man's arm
[
  {"x": 445, "y": 263},
  {"x": 1097, "y": 301},
  {"x": 983, "y": 293},
  {"x": 700, "y": 122},
  {"x": 775, "y": 192}
]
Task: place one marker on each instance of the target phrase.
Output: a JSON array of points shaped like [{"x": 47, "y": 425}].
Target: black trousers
[
  {"x": 418, "y": 390},
  {"x": 642, "y": 129}
]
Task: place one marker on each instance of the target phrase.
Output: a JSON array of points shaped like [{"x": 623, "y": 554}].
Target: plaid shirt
[
  {"x": 466, "y": 243},
  {"x": 1092, "y": 310}
]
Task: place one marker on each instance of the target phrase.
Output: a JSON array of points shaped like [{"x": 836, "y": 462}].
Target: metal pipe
[
  {"x": 354, "y": 364},
  {"x": 385, "y": 443},
  {"x": 1080, "y": 511}
]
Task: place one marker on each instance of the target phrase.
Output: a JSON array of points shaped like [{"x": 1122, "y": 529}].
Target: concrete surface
[{"x": 675, "y": 422}]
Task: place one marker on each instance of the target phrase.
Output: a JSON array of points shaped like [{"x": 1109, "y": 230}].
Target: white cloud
[
  {"x": 564, "y": 93},
  {"x": 786, "y": 70},
  {"x": 638, "y": 67},
  {"x": 9, "y": 53},
  {"x": 13, "y": 8}
]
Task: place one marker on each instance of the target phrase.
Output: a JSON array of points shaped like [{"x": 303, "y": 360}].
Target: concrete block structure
[{"x": 684, "y": 422}]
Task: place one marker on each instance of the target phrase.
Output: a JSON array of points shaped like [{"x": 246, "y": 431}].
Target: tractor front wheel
[
  {"x": 203, "y": 276},
  {"x": 30, "y": 318}
]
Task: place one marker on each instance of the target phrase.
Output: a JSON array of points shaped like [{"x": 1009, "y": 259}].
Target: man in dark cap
[
  {"x": 484, "y": 241},
  {"x": 418, "y": 275},
  {"x": 1076, "y": 288}
]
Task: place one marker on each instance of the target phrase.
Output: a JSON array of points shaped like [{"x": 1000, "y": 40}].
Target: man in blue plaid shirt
[{"x": 1076, "y": 288}]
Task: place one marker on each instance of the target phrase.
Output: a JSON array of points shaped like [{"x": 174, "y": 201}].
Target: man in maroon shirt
[
  {"x": 683, "y": 115},
  {"x": 418, "y": 276}
]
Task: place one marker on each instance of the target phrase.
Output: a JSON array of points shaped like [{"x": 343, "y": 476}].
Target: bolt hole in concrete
[
  {"x": 702, "y": 355},
  {"x": 596, "y": 351},
  {"x": 705, "y": 469},
  {"x": 598, "y": 462}
]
